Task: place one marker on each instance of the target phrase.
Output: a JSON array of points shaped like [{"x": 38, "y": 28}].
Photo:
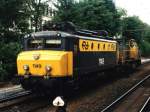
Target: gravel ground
[
  {"x": 95, "y": 98},
  {"x": 5, "y": 85}
]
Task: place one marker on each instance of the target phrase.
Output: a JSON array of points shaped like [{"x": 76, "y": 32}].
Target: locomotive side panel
[{"x": 96, "y": 55}]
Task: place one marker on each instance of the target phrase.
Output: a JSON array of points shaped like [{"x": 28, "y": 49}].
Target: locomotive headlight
[
  {"x": 48, "y": 68},
  {"x": 26, "y": 67}
]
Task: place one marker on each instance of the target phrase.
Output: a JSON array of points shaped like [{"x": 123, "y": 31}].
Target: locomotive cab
[{"x": 45, "y": 55}]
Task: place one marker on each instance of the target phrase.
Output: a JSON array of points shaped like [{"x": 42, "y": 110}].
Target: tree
[
  {"x": 36, "y": 9},
  {"x": 13, "y": 24},
  {"x": 8, "y": 60},
  {"x": 11, "y": 14},
  {"x": 65, "y": 9},
  {"x": 146, "y": 33},
  {"x": 133, "y": 27},
  {"x": 90, "y": 14}
]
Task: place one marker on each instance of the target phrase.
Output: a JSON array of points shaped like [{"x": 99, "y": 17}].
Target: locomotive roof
[{"x": 45, "y": 34}]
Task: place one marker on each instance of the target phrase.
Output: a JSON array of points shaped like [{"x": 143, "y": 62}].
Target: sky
[{"x": 139, "y": 8}]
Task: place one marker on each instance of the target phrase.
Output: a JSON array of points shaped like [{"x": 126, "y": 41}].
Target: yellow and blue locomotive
[{"x": 49, "y": 56}]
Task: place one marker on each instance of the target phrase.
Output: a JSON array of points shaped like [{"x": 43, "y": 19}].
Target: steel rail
[
  {"x": 145, "y": 105},
  {"x": 110, "y": 107},
  {"x": 10, "y": 89},
  {"x": 15, "y": 96}
]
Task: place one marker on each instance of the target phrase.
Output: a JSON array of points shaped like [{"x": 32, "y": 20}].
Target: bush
[
  {"x": 145, "y": 48},
  {"x": 8, "y": 60}
]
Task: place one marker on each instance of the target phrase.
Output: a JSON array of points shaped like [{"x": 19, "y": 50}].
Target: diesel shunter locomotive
[{"x": 54, "y": 56}]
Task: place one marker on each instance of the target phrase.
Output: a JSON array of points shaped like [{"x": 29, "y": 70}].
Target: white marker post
[{"x": 60, "y": 104}]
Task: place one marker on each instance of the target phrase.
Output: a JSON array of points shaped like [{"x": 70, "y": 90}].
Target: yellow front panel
[
  {"x": 58, "y": 60},
  {"x": 90, "y": 46},
  {"x": 134, "y": 52},
  {"x": 133, "y": 49}
]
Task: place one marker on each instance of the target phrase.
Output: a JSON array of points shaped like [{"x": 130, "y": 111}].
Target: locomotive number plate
[
  {"x": 37, "y": 65},
  {"x": 101, "y": 61}
]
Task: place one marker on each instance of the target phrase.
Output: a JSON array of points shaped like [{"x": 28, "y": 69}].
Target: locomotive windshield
[{"x": 44, "y": 43}]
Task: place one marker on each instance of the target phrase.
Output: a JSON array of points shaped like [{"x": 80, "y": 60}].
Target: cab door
[{"x": 72, "y": 46}]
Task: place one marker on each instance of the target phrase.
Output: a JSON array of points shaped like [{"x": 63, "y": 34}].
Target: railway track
[
  {"x": 146, "y": 106},
  {"x": 12, "y": 96},
  {"x": 124, "y": 102},
  {"x": 28, "y": 103},
  {"x": 17, "y": 99},
  {"x": 8, "y": 94}
]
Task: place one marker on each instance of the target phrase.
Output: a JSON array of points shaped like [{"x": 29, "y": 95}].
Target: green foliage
[
  {"x": 146, "y": 34},
  {"x": 36, "y": 9},
  {"x": 145, "y": 48},
  {"x": 13, "y": 24},
  {"x": 90, "y": 14},
  {"x": 8, "y": 60},
  {"x": 11, "y": 12},
  {"x": 133, "y": 28},
  {"x": 65, "y": 10}
]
